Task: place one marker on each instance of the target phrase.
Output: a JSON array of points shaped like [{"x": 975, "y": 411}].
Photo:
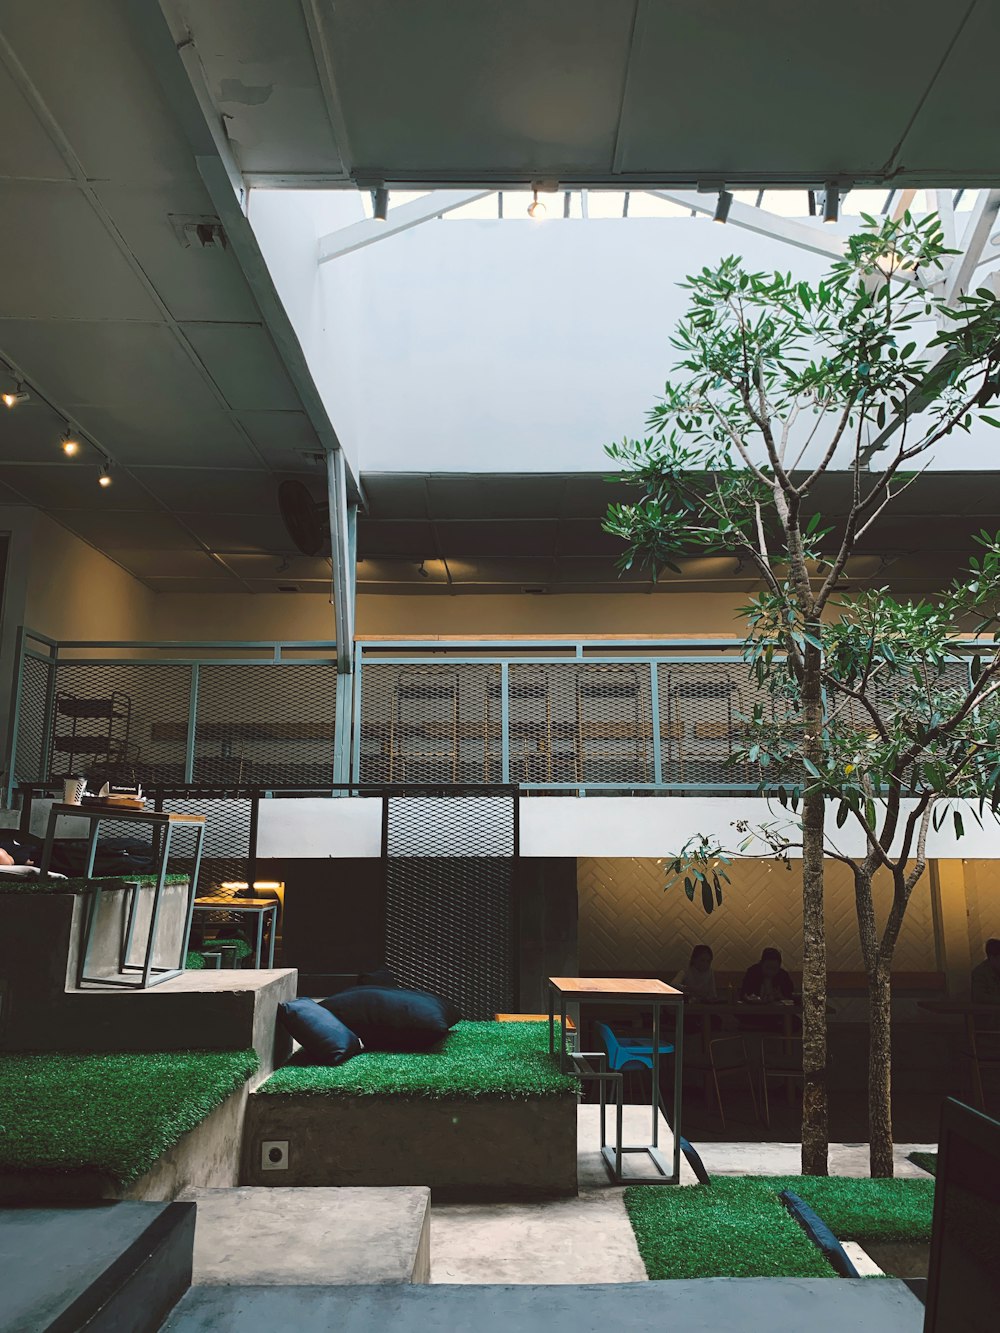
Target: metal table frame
[
  {"x": 260, "y": 909},
  {"x": 151, "y": 975},
  {"x": 669, "y": 1173}
]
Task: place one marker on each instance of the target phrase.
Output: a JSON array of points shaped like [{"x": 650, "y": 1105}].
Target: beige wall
[
  {"x": 310, "y": 616},
  {"x": 628, "y": 920},
  {"x": 74, "y": 592}
]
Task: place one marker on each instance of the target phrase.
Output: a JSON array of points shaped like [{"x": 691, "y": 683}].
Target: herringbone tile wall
[{"x": 628, "y": 921}]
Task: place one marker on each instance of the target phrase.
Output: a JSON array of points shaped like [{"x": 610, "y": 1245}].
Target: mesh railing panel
[
  {"x": 30, "y": 758},
  {"x": 123, "y": 721},
  {"x": 429, "y": 723},
  {"x": 580, "y": 722},
  {"x": 450, "y": 898},
  {"x": 702, "y": 707},
  {"x": 266, "y": 724},
  {"x": 226, "y": 854}
]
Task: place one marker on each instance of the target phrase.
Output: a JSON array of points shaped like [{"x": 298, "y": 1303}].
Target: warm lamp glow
[
  {"x": 105, "y": 478},
  {"x": 14, "y": 397},
  {"x": 70, "y": 445},
  {"x": 536, "y": 209}
]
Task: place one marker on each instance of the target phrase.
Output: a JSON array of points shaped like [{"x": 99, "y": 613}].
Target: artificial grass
[
  {"x": 734, "y": 1227},
  {"x": 13, "y": 884},
  {"x": 738, "y": 1227},
  {"x": 927, "y": 1161},
  {"x": 475, "y": 1060},
  {"x": 115, "y": 1114},
  {"x": 241, "y": 947}
]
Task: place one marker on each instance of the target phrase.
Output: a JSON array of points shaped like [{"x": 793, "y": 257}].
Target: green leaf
[{"x": 959, "y": 826}]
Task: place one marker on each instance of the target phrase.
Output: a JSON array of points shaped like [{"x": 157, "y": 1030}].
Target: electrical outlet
[{"x": 274, "y": 1155}]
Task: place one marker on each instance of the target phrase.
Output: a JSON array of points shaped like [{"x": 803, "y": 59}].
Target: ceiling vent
[
  {"x": 534, "y": 589},
  {"x": 288, "y": 587}
]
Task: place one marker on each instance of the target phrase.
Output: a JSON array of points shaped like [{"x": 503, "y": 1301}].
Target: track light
[
  {"x": 70, "y": 444},
  {"x": 722, "y": 206},
  {"x": 105, "y": 476},
  {"x": 14, "y": 397},
  {"x": 831, "y": 203},
  {"x": 424, "y": 574},
  {"x": 536, "y": 209},
  {"x": 380, "y": 203}
]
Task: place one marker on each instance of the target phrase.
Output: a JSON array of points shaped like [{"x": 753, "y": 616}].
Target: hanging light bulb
[
  {"x": 105, "y": 476},
  {"x": 536, "y": 209},
  {"x": 14, "y": 397},
  {"x": 70, "y": 444}
]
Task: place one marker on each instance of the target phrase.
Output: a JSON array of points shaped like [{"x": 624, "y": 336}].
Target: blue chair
[{"x": 629, "y": 1055}]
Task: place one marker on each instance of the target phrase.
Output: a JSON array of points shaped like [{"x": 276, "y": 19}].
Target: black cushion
[
  {"x": 382, "y": 976},
  {"x": 324, "y": 1038},
  {"x": 389, "y": 1019}
]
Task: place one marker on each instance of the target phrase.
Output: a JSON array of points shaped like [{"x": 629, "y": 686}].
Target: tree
[{"x": 779, "y": 383}]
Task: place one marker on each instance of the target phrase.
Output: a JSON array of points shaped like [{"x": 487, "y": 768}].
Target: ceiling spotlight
[
  {"x": 722, "y": 206},
  {"x": 14, "y": 397},
  {"x": 70, "y": 444},
  {"x": 380, "y": 203},
  {"x": 536, "y": 209},
  {"x": 105, "y": 476},
  {"x": 831, "y": 203}
]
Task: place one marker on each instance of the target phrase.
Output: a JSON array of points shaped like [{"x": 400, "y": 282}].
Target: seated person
[
  {"x": 13, "y": 852},
  {"x": 697, "y": 980},
  {"x": 986, "y": 985},
  {"x": 767, "y": 980}
]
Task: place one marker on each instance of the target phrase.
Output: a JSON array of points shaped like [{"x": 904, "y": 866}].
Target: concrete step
[
  {"x": 311, "y": 1237},
  {"x": 823, "y": 1305},
  {"x": 113, "y": 1268}
]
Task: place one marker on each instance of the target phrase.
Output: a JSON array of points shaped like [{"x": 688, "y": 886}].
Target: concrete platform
[
  {"x": 112, "y": 1266},
  {"x": 714, "y": 1305},
  {"x": 463, "y": 1148},
  {"x": 311, "y": 1237}
]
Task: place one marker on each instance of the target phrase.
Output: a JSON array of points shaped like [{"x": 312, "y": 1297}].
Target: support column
[{"x": 343, "y": 554}]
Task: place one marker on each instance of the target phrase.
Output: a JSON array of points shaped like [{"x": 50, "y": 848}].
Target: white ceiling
[{"x": 602, "y": 92}]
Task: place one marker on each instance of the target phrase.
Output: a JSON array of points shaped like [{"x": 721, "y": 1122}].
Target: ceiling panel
[
  {"x": 283, "y": 439},
  {"x": 396, "y": 538},
  {"x": 30, "y": 433},
  {"x": 244, "y": 364},
  {"x": 86, "y": 64},
  {"x": 537, "y": 85},
  {"x": 479, "y": 539},
  {"x": 72, "y": 484},
  {"x": 251, "y": 533},
  {"x": 176, "y": 439},
  {"x": 496, "y": 497},
  {"x": 294, "y": 569},
  {"x": 193, "y": 281},
  {"x": 213, "y": 490},
  {"x": 218, "y": 582},
  {"x": 137, "y": 371},
  {"x": 118, "y": 531},
  {"x": 61, "y": 262},
  {"x": 168, "y": 564},
  {"x": 25, "y": 148}
]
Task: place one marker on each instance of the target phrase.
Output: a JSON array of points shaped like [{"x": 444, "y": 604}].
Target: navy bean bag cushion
[
  {"x": 323, "y": 1037},
  {"x": 393, "y": 1019}
]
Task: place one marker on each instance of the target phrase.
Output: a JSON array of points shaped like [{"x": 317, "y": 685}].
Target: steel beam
[
  {"x": 981, "y": 222},
  {"x": 343, "y": 526},
  {"x": 357, "y": 235},
  {"x": 792, "y": 232}
]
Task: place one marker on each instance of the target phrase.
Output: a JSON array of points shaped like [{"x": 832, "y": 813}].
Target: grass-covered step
[
  {"x": 111, "y": 1116},
  {"x": 927, "y": 1161},
  {"x": 485, "y": 1114},
  {"x": 29, "y": 885},
  {"x": 476, "y": 1060},
  {"x": 738, "y": 1227}
]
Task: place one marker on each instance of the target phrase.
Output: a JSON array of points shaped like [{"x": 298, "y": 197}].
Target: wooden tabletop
[
  {"x": 530, "y": 1018},
  {"x": 614, "y": 987},
  {"x": 234, "y": 903},
  {"x": 119, "y": 812}
]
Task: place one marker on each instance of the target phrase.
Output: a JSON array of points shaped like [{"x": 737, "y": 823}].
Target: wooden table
[
  {"x": 968, "y": 1011},
  {"x": 163, "y": 824},
  {"x": 255, "y": 907},
  {"x": 530, "y": 1018},
  {"x": 648, "y": 993}
]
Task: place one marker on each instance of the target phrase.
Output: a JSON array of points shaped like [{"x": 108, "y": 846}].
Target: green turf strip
[
  {"x": 110, "y": 1113},
  {"x": 738, "y": 1227},
  {"x": 508, "y": 1060},
  {"x": 12, "y": 884},
  {"x": 927, "y": 1161}
]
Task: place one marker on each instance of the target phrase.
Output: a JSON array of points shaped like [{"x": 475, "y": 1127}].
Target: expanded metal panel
[
  {"x": 703, "y": 707},
  {"x": 123, "y": 721},
  {"x": 266, "y": 724},
  {"x": 580, "y": 722},
  {"x": 430, "y": 724},
  {"x": 450, "y": 898},
  {"x": 226, "y": 852},
  {"x": 30, "y": 758}
]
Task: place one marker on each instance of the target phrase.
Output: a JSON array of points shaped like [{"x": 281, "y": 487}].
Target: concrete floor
[{"x": 589, "y": 1238}]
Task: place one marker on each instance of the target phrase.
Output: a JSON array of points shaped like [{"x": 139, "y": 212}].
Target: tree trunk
[
  {"x": 815, "y": 1125},
  {"x": 880, "y": 1071}
]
